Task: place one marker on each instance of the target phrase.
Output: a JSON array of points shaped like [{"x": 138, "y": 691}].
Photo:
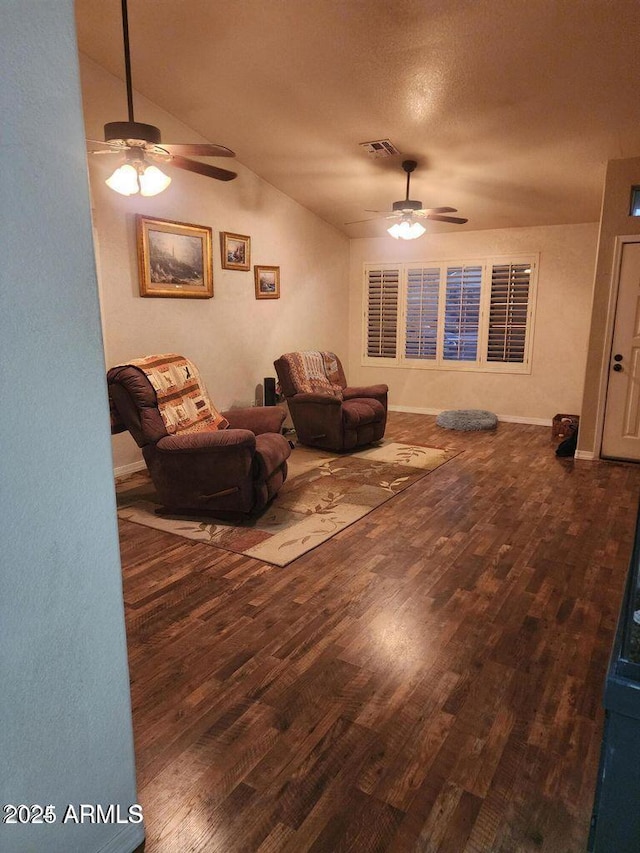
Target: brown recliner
[
  {"x": 325, "y": 411},
  {"x": 195, "y": 467}
]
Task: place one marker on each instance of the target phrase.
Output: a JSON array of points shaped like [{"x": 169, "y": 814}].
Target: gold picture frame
[
  {"x": 267, "y": 281},
  {"x": 235, "y": 251},
  {"x": 174, "y": 258}
]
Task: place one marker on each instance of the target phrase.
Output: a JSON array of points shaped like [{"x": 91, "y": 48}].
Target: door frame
[{"x": 620, "y": 242}]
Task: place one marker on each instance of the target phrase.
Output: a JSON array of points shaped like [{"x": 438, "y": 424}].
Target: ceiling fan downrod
[
  {"x": 407, "y": 203},
  {"x": 131, "y": 130},
  {"x": 407, "y": 165},
  {"x": 127, "y": 58}
]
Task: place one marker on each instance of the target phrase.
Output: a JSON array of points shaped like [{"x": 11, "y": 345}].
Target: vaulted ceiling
[{"x": 511, "y": 107}]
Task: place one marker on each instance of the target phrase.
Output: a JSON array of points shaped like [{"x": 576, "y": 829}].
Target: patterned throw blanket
[
  {"x": 182, "y": 397},
  {"x": 314, "y": 372}
]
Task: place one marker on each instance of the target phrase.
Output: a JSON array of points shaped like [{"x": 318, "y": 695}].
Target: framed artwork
[
  {"x": 267, "y": 282},
  {"x": 174, "y": 258},
  {"x": 235, "y": 250}
]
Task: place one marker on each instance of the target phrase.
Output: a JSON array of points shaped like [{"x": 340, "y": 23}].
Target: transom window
[{"x": 453, "y": 315}]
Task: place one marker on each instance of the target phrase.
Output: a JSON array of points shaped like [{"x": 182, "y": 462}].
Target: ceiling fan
[
  {"x": 407, "y": 212},
  {"x": 141, "y": 145}
]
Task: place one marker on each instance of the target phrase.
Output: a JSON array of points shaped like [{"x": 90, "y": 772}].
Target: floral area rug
[{"x": 324, "y": 493}]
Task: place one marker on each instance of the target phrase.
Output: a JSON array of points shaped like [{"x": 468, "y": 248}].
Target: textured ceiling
[{"x": 511, "y": 107}]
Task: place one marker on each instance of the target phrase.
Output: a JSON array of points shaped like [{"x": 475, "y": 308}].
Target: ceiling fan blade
[
  {"x": 201, "y": 168},
  {"x": 199, "y": 149},
  {"x": 455, "y": 219},
  {"x": 110, "y": 146},
  {"x": 359, "y": 221},
  {"x": 421, "y": 210},
  {"x": 438, "y": 210}
]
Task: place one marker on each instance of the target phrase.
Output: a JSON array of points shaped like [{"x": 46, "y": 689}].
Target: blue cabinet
[{"x": 615, "y": 824}]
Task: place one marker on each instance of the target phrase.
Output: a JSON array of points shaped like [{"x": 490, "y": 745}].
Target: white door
[{"x": 621, "y": 437}]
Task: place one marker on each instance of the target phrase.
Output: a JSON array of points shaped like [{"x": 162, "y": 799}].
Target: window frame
[{"x": 481, "y": 364}]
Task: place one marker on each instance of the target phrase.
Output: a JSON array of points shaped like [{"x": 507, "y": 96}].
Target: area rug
[{"x": 323, "y": 494}]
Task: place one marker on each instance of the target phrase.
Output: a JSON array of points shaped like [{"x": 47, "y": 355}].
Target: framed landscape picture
[
  {"x": 267, "y": 282},
  {"x": 235, "y": 250},
  {"x": 174, "y": 258}
]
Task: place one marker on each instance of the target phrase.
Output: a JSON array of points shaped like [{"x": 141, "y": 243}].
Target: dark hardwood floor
[{"x": 430, "y": 679}]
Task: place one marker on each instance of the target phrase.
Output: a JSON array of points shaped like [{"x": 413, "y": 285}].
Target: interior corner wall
[
  {"x": 563, "y": 309},
  {"x": 615, "y": 221},
  {"x": 65, "y": 733},
  {"x": 233, "y": 338}
]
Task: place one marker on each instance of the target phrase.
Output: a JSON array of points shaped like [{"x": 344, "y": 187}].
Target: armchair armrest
[
  {"x": 365, "y": 391},
  {"x": 259, "y": 419},
  {"x": 323, "y": 399},
  {"x": 272, "y": 451},
  {"x": 216, "y": 441}
]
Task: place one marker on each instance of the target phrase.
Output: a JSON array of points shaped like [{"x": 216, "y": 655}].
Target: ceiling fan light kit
[
  {"x": 153, "y": 181},
  {"x": 406, "y": 229},
  {"x": 130, "y": 179},
  {"x": 124, "y": 180},
  {"x": 137, "y": 176},
  {"x": 140, "y": 142}
]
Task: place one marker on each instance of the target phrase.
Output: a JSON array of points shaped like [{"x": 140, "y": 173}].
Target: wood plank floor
[{"x": 430, "y": 679}]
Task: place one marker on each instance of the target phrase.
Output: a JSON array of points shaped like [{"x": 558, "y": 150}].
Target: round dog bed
[{"x": 467, "y": 419}]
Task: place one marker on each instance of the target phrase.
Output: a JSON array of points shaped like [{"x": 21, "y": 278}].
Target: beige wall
[
  {"x": 567, "y": 256},
  {"x": 621, "y": 176},
  {"x": 233, "y": 338}
]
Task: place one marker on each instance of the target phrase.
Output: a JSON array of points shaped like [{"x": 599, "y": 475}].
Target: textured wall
[
  {"x": 65, "y": 736},
  {"x": 567, "y": 255}
]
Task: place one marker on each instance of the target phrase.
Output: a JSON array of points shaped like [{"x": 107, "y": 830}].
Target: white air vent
[{"x": 380, "y": 148}]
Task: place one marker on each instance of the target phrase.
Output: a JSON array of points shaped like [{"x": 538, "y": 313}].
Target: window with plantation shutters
[
  {"x": 462, "y": 313},
  {"x": 455, "y": 315},
  {"x": 421, "y": 325},
  {"x": 508, "y": 312},
  {"x": 382, "y": 312}
]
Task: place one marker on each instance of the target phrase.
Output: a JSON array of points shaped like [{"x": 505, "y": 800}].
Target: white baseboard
[
  {"x": 414, "y": 410},
  {"x": 513, "y": 419},
  {"x": 517, "y": 419},
  {"x": 131, "y": 468},
  {"x": 586, "y": 455}
]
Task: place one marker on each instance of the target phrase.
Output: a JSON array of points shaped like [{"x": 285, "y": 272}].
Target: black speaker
[{"x": 269, "y": 391}]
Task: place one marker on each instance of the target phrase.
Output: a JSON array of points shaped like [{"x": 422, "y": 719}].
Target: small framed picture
[
  {"x": 174, "y": 258},
  {"x": 235, "y": 250},
  {"x": 267, "y": 282}
]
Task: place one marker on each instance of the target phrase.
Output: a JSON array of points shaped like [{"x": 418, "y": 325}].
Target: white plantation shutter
[
  {"x": 382, "y": 312},
  {"x": 508, "y": 312},
  {"x": 462, "y": 313},
  {"x": 421, "y": 335},
  {"x": 455, "y": 315}
]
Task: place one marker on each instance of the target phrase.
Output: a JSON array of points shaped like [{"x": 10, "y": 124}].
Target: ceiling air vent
[{"x": 380, "y": 148}]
